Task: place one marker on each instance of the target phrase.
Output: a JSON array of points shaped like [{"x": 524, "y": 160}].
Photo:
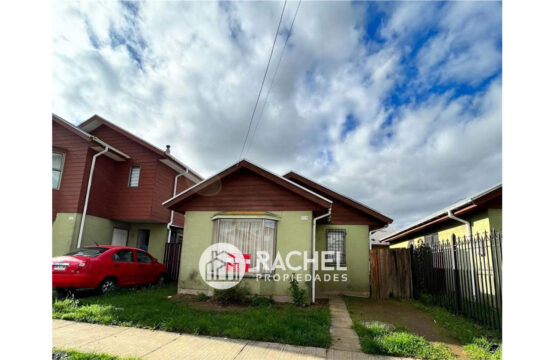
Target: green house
[{"x": 289, "y": 218}]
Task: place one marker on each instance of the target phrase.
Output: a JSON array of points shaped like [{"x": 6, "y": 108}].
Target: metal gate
[{"x": 172, "y": 260}]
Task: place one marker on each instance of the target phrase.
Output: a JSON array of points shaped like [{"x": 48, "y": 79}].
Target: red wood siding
[
  {"x": 155, "y": 185},
  {"x": 244, "y": 190},
  {"x": 164, "y": 191},
  {"x": 110, "y": 196},
  {"x": 342, "y": 213},
  {"x": 67, "y": 198}
]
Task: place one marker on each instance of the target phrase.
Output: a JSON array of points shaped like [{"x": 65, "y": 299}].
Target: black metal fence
[{"x": 463, "y": 274}]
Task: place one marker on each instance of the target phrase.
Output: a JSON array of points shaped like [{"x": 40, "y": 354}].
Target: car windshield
[{"x": 90, "y": 252}]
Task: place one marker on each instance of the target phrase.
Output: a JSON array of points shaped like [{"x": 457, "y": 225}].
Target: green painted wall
[
  {"x": 65, "y": 233},
  {"x": 293, "y": 233},
  {"x": 64, "y": 229},
  {"x": 357, "y": 261},
  {"x": 495, "y": 218},
  {"x": 158, "y": 238}
]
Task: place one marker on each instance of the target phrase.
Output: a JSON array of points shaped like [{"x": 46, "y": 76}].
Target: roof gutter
[
  {"x": 109, "y": 147},
  {"x": 374, "y": 231},
  {"x": 172, "y": 212},
  {"x": 314, "y": 252},
  {"x": 88, "y": 194},
  {"x": 468, "y": 235}
]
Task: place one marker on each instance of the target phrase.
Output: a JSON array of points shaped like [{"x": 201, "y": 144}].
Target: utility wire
[
  {"x": 273, "y": 79},
  {"x": 263, "y": 81}
]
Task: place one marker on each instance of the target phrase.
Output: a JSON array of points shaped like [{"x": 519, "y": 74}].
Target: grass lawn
[
  {"x": 478, "y": 341},
  {"x": 77, "y": 355},
  {"x": 410, "y": 328},
  {"x": 152, "y": 308}
]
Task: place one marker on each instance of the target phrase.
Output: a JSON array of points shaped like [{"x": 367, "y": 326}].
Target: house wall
[
  {"x": 157, "y": 241},
  {"x": 246, "y": 190},
  {"x": 112, "y": 197},
  {"x": 97, "y": 230},
  {"x": 343, "y": 214},
  {"x": 495, "y": 218},
  {"x": 357, "y": 261},
  {"x": 67, "y": 199},
  {"x": 293, "y": 233}
]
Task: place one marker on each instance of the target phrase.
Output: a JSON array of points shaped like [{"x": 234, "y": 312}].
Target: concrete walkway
[
  {"x": 344, "y": 337},
  {"x": 162, "y": 345}
]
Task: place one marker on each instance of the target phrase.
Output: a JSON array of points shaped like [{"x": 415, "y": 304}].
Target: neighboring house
[
  {"x": 119, "y": 181},
  {"x": 254, "y": 209},
  {"x": 375, "y": 236},
  {"x": 477, "y": 214}
]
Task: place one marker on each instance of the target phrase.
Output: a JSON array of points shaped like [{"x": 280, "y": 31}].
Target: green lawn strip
[
  {"x": 151, "y": 308},
  {"x": 384, "y": 340},
  {"x": 77, "y": 355},
  {"x": 477, "y": 340}
]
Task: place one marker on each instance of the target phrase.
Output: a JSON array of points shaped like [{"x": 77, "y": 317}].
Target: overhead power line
[
  {"x": 260, "y": 118},
  {"x": 263, "y": 81}
]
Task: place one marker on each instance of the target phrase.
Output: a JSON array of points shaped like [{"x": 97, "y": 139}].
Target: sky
[{"x": 394, "y": 104}]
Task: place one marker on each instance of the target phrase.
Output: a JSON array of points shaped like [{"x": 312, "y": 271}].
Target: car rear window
[{"x": 89, "y": 252}]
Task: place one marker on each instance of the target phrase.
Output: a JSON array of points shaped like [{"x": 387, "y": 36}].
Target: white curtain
[{"x": 248, "y": 235}]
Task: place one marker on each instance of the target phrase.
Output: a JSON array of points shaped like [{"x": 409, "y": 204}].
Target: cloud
[{"x": 419, "y": 95}]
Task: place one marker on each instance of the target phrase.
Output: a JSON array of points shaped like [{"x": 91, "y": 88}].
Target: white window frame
[
  {"x": 60, "y": 170},
  {"x": 131, "y": 174},
  {"x": 215, "y": 239}
]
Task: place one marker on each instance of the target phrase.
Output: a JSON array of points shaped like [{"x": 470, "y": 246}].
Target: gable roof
[
  {"x": 96, "y": 121},
  {"x": 333, "y": 194},
  {"x": 244, "y": 164},
  {"x": 459, "y": 208},
  {"x": 112, "y": 153}
]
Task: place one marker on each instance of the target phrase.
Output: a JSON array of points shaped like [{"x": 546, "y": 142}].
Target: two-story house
[{"x": 108, "y": 186}]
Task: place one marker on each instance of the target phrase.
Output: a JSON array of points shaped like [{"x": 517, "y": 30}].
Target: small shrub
[
  {"x": 201, "y": 297},
  {"x": 235, "y": 295},
  {"x": 262, "y": 301},
  {"x": 298, "y": 294}
]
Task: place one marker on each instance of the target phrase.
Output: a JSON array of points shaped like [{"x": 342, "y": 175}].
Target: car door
[
  {"x": 124, "y": 267},
  {"x": 146, "y": 268}
]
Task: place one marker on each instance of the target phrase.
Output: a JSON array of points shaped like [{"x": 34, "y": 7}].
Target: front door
[
  {"x": 119, "y": 237},
  {"x": 143, "y": 239}
]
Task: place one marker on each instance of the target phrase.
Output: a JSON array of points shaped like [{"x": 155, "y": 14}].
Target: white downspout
[
  {"x": 88, "y": 193},
  {"x": 468, "y": 234},
  {"x": 374, "y": 231},
  {"x": 172, "y": 212},
  {"x": 313, "y": 252}
]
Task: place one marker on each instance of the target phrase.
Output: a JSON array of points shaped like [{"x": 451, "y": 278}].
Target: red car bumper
[{"x": 76, "y": 281}]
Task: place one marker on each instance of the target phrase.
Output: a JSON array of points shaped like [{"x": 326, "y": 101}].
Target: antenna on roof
[{"x": 168, "y": 149}]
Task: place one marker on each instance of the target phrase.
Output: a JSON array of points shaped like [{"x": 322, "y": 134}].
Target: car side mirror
[{"x": 155, "y": 260}]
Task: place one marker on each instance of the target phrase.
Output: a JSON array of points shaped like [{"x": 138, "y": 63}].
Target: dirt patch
[{"x": 403, "y": 315}]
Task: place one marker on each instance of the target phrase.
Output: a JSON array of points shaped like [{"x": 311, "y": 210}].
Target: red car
[{"x": 104, "y": 268}]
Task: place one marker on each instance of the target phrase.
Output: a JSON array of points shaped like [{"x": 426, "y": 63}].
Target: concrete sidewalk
[
  {"x": 344, "y": 337},
  {"x": 162, "y": 345}
]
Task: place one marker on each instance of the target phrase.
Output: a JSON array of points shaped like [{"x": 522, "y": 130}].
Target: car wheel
[
  {"x": 66, "y": 293},
  {"x": 162, "y": 280},
  {"x": 107, "y": 285}
]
